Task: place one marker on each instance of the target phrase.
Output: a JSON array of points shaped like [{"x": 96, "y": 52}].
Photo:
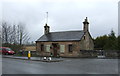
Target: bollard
[{"x": 29, "y": 54}]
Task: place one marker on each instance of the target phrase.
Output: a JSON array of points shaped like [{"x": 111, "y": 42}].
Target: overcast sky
[{"x": 63, "y": 15}]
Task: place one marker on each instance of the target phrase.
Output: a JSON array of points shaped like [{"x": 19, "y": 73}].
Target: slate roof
[{"x": 62, "y": 36}]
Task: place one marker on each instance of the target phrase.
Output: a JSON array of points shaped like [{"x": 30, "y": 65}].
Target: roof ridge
[{"x": 68, "y": 31}]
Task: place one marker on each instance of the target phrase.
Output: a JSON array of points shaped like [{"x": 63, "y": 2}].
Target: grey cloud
[{"x": 63, "y": 15}]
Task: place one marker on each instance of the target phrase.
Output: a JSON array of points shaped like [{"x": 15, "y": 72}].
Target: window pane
[
  {"x": 47, "y": 48},
  {"x": 62, "y": 48}
]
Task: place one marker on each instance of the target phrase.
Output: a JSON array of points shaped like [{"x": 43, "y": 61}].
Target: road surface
[{"x": 68, "y": 66}]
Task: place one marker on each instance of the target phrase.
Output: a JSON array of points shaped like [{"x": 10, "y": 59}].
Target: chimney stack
[{"x": 86, "y": 25}]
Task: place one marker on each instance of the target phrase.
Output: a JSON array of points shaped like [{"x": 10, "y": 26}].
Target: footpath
[{"x": 43, "y": 59}]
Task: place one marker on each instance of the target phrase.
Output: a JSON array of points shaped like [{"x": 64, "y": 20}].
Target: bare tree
[
  {"x": 14, "y": 34},
  {"x": 0, "y": 36},
  {"x": 22, "y": 34},
  {"x": 6, "y": 31}
]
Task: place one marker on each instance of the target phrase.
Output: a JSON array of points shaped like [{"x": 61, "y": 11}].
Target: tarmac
[
  {"x": 49, "y": 59},
  {"x": 36, "y": 65}
]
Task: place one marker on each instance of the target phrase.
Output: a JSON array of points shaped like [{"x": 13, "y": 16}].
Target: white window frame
[
  {"x": 47, "y": 48},
  {"x": 62, "y": 48}
]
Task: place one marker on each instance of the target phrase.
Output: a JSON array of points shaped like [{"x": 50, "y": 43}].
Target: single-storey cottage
[{"x": 65, "y": 44}]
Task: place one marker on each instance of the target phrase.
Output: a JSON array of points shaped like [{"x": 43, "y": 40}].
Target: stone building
[{"x": 65, "y": 44}]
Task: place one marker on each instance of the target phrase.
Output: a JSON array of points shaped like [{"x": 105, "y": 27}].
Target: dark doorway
[
  {"x": 70, "y": 48},
  {"x": 55, "y": 48}
]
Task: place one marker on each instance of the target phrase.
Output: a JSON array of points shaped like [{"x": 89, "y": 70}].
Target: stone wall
[
  {"x": 75, "y": 49},
  {"x": 86, "y": 42}
]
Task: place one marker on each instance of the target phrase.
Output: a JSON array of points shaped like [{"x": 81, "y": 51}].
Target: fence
[{"x": 96, "y": 53}]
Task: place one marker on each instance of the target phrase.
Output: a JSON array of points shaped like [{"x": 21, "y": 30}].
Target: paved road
[{"x": 68, "y": 66}]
